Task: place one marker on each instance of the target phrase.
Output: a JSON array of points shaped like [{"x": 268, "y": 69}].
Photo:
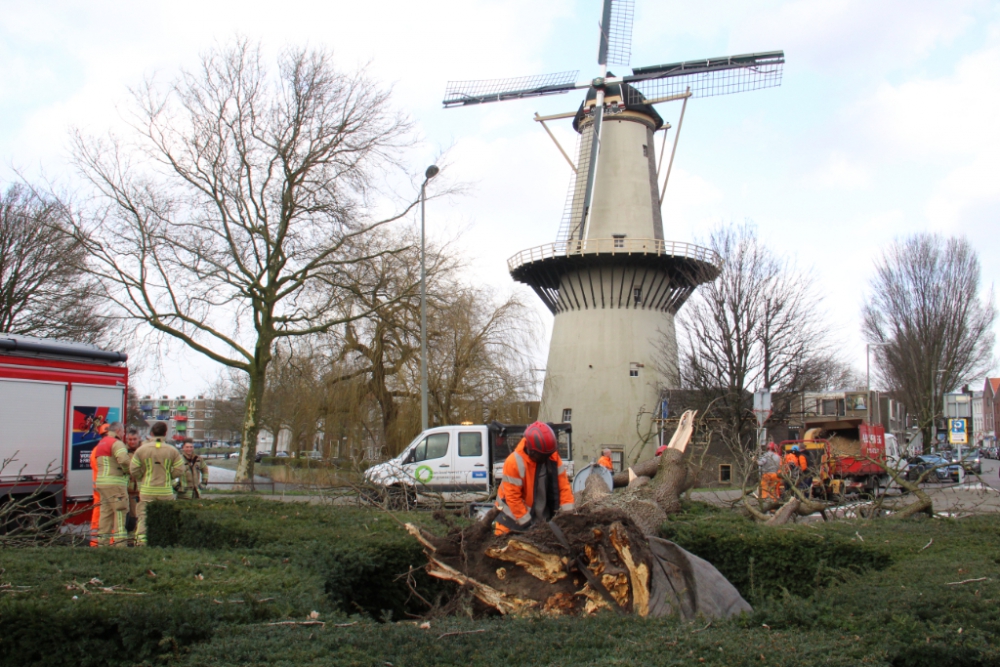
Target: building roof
[{"x": 994, "y": 384}]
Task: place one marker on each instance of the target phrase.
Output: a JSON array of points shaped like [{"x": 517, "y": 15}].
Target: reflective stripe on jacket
[
  {"x": 156, "y": 464},
  {"x": 110, "y": 462},
  {"x": 517, "y": 488},
  {"x": 195, "y": 471}
]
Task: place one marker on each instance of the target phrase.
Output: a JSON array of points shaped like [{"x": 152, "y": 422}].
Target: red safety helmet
[
  {"x": 771, "y": 447},
  {"x": 540, "y": 441}
]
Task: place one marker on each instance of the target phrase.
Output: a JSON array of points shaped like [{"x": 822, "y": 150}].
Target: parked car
[
  {"x": 943, "y": 470},
  {"x": 970, "y": 460}
]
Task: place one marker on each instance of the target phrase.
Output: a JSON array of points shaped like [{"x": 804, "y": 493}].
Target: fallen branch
[
  {"x": 926, "y": 545},
  {"x": 966, "y": 581},
  {"x": 319, "y": 623},
  {"x": 466, "y": 632}
]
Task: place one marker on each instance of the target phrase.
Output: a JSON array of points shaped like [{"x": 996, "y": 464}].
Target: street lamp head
[{"x": 431, "y": 172}]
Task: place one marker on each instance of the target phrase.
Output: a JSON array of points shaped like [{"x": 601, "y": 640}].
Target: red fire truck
[{"x": 54, "y": 396}]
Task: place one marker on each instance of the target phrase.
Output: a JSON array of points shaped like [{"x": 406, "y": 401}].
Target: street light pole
[{"x": 431, "y": 172}]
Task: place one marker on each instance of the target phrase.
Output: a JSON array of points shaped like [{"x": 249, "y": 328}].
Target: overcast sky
[{"x": 887, "y": 121}]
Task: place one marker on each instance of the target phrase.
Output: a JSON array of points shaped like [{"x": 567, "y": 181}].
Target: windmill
[{"x": 611, "y": 280}]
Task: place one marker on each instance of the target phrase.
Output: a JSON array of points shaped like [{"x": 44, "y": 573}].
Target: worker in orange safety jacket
[
  {"x": 534, "y": 483},
  {"x": 95, "y": 515},
  {"x": 794, "y": 466},
  {"x": 110, "y": 463},
  {"x": 605, "y": 460},
  {"x": 770, "y": 480}
]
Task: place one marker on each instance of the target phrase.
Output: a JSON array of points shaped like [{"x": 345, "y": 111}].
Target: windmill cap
[{"x": 624, "y": 91}]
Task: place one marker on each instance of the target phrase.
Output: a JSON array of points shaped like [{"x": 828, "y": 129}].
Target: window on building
[
  {"x": 618, "y": 459},
  {"x": 637, "y": 296},
  {"x": 567, "y": 415},
  {"x": 470, "y": 444},
  {"x": 725, "y": 473},
  {"x": 633, "y": 372},
  {"x": 619, "y": 240}
]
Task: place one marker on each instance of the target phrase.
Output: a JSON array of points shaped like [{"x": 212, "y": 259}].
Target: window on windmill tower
[
  {"x": 619, "y": 240},
  {"x": 645, "y": 150},
  {"x": 637, "y": 296},
  {"x": 567, "y": 415}
]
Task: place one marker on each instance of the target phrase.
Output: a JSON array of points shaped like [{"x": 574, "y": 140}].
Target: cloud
[{"x": 839, "y": 172}]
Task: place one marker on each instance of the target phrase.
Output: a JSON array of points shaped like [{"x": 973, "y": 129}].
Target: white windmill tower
[{"x": 611, "y": 280}]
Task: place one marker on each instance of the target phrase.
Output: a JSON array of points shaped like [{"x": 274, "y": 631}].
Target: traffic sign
[{"x": 958, "y": 432}]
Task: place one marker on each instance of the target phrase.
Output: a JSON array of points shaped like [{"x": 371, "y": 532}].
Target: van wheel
[{"x": 400, "y": 498}]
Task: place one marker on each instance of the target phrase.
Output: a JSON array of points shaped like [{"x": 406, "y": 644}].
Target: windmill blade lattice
[
  {"x": 616, "y": 37},
  {"x": 706, "y": 78},
  {"x": 460, "y": 93}
]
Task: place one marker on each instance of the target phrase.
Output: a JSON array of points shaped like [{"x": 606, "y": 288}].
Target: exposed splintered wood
[
  {"x": 650, "y": 467},
  {"x": 541, "y": 565},
  {"x": 638, "y": 572}
]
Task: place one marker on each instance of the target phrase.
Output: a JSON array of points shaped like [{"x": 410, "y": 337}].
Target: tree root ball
[{"x": 533, "y": 571}]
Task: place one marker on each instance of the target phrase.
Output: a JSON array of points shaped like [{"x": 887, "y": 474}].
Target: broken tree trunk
[{"x": 601, "y": 557}]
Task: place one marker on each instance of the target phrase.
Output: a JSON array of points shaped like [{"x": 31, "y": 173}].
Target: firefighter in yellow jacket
[
  {"x": 110, "y": 462},
  {"x": 195, "y": 472},
  {"x": 534, "y": 482},
  {"x": 156, "y": 464}
]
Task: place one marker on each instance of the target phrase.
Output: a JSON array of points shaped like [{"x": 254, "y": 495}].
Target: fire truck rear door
[
  {"x": 33, "y": 419},
  {"x": 91, "y": 405}
]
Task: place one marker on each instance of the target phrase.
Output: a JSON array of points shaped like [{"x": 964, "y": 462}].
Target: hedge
[
  {"x": 362, "y": 556},
  {"x": 761, "y": 560},
  {"x": 844, "y": 593}
]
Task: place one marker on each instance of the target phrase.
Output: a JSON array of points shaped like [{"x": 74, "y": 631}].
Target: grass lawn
[{"x": 220, "y": 571}]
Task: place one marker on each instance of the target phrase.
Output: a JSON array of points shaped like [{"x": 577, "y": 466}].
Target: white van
[{"x": 453, "y": 464}]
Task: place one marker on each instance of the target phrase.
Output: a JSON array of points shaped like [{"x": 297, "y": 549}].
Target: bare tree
[
  {"x": 228, "y": 401},
  {"x": 45, "y": 290},
  {"x": 479, "y": 356},
  {"x": 478, "y": 344},
  {"x": 234, "y": 218},
  {"x": 757, "y": 325},
  {"x": 925, "y": 305}
]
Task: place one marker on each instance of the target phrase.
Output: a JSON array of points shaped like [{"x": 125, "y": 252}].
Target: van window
[
  {"x": 433, "y": 447},
  {"x": 470, "y": 444}
]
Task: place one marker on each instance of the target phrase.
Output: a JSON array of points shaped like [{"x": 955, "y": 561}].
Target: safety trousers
[
  {"x": 114, "y": 508},
  {"x": 770, "y": 485},
  {"x": 140, "y": 509},
  {"x": 95, "y": 519}
]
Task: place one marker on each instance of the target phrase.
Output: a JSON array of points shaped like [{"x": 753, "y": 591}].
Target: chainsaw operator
[
  {"x": 605, "y": 460},
  {"x": 534, "y": 483}
]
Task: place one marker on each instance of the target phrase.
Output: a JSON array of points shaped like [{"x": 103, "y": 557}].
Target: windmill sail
[
  {"x": 616, "y": 32},
  {"x": 708, "y": 77},
  {"x": 460, "y": 93}
]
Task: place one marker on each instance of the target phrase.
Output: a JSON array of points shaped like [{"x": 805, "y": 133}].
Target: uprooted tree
[{"x": 603, "y": 556}]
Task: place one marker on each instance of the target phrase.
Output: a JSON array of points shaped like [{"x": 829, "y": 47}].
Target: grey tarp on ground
[{"x": 687, "y": 585}]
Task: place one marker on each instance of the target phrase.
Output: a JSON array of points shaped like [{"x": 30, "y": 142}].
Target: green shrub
[
  {"x": 362, "y": 555},
  {"x": 763, "y": 560}
]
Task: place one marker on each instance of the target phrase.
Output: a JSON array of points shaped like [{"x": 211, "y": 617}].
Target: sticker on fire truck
[{"x": 87, "y": 421}]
